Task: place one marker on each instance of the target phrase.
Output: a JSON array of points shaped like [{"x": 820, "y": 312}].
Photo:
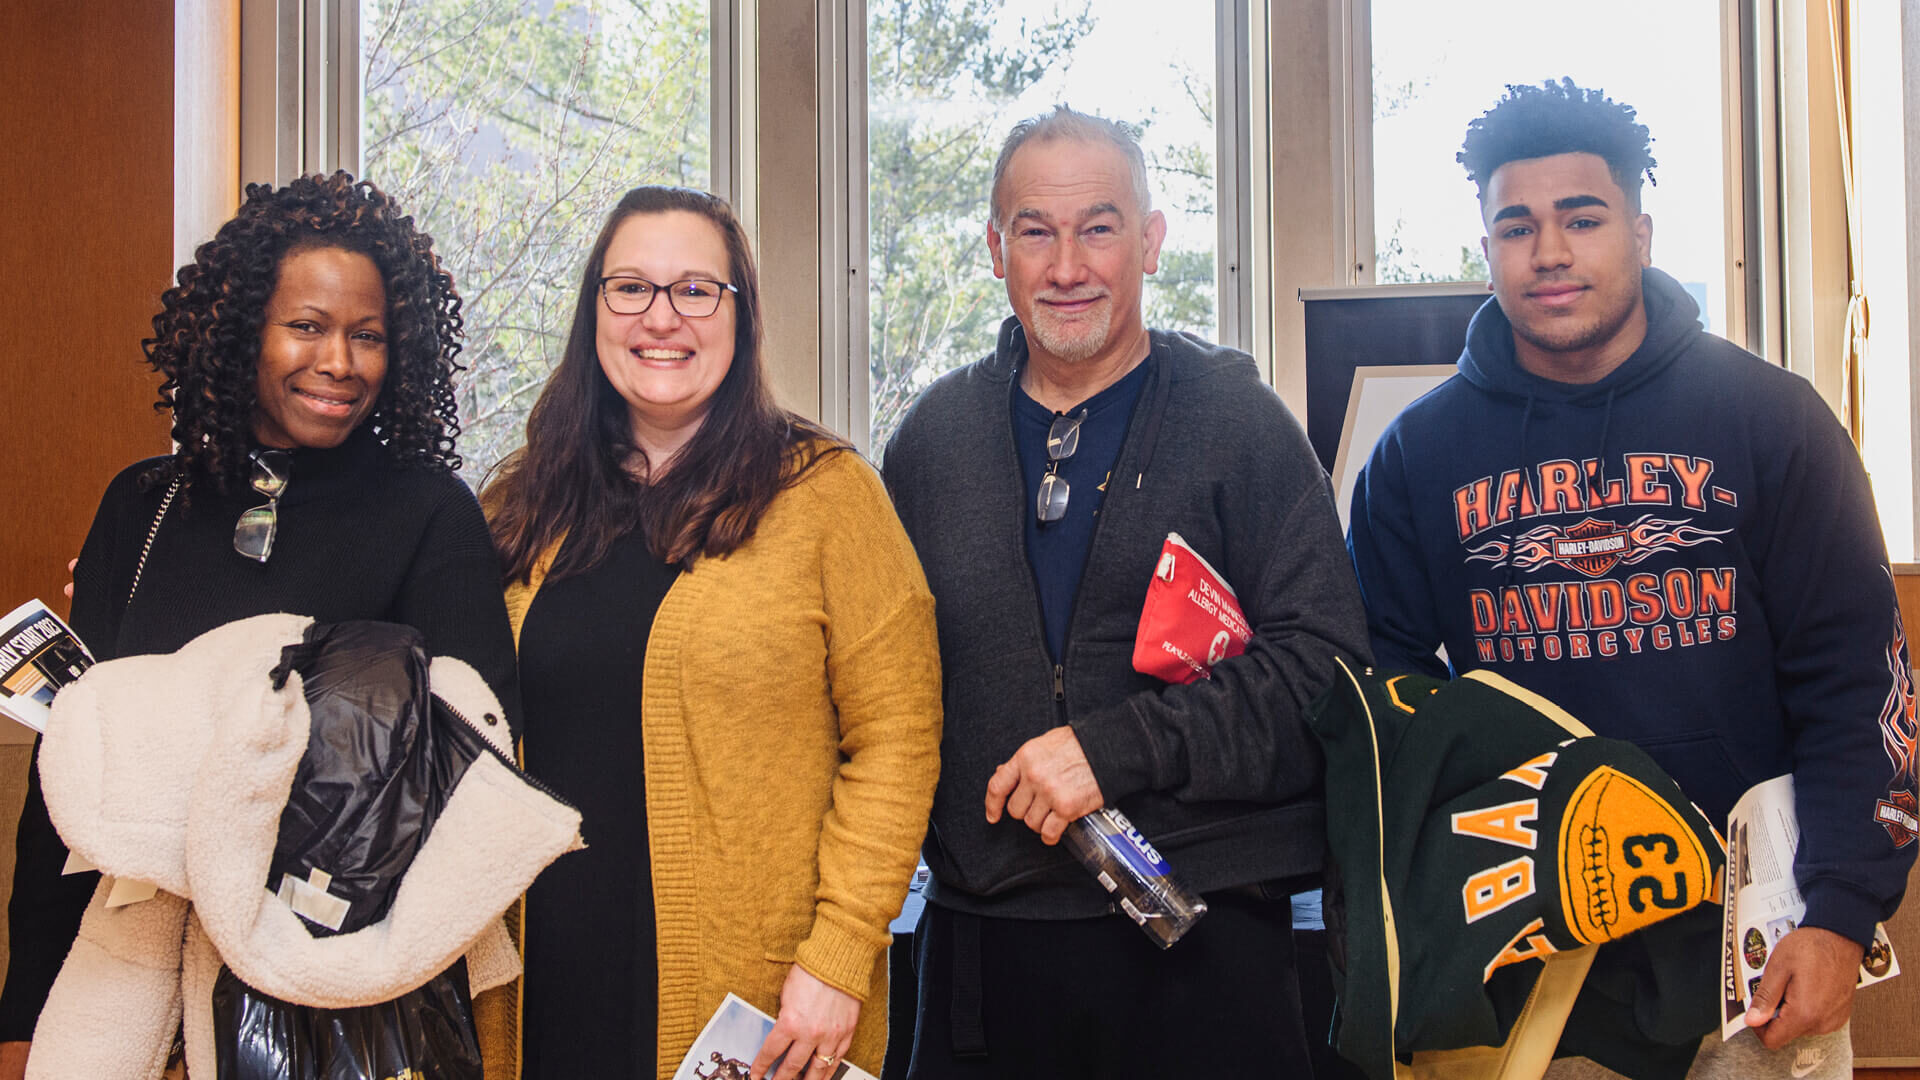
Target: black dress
[{"x": 591, "y": 994}]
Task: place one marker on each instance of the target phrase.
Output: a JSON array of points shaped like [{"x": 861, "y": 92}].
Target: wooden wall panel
[
  {"x": 86, "y": 168},
  {"x": 1884, "y": 1031},
  {"x": 86, "y": 117}
]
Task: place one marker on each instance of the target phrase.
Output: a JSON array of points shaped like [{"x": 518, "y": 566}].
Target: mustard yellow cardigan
[{"x": 791, "y": 705}]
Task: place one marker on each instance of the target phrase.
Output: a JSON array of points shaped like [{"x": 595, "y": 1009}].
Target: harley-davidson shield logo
[
  {"x": 1594, "y": 547},
  {"x": 1591, "y": 547}
]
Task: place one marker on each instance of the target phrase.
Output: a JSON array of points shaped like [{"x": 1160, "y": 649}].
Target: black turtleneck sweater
[{"x": 359, "y": 538}]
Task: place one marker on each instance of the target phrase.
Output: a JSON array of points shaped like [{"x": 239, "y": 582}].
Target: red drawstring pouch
[{"x": 1191, "y": 620}]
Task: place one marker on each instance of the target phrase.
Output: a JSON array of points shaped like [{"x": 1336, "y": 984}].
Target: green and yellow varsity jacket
[{"x": 1515, "y": 888}]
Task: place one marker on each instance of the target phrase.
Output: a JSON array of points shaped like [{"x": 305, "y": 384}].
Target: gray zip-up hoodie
[{"x": 1222, "y": 774}]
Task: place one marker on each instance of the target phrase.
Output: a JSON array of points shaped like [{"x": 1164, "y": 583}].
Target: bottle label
[{"x": 1132, "y": 847}]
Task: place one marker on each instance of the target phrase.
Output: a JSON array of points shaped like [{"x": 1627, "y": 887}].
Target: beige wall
[
  {"x": 789, "y": 198},
  {"x": 1813, "y": 213},
  {"x": 206, "y": 121},
  {"x": 1308, "y": 149}
]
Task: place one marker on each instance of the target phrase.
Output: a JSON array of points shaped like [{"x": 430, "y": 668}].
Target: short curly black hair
[
  {"x": 1559, "y": 118},
  {"x": 206, "y": 338}
]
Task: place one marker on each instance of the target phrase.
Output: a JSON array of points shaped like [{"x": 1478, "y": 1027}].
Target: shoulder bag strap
[{"x": 147, "y": 548}]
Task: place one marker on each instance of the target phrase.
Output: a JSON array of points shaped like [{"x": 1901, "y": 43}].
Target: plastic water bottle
[{"x": 1140, "y": 880}]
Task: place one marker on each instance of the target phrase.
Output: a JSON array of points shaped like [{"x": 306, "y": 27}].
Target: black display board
[{"x": 1384, "y": 326}]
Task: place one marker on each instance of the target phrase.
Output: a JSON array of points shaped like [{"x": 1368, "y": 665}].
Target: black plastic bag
[
  {"x": 383, "y": 756},
  {"x": 423, "y": 1035}
]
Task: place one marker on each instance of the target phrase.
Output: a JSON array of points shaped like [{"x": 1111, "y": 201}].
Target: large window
[
  {"x": 945, "y": 80},
  {"x": 1880, "y": 101},
  {"x": 1437, "y": 64},
  {"x": 508, "y": 129}
]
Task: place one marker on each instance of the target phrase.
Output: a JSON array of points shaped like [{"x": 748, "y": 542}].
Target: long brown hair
[{"x": 572, "y": 478}]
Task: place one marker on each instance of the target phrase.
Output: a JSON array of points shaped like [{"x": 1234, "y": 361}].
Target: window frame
[
  {"x": 300, "y": 93},
  {"x": 841, "y": 44},
  {"x": 1271, "y": 242},
  {"x": 300, "y": 111},
  {"x": 1752, "y": 316},
  {"x": 1240, "y": 140}
]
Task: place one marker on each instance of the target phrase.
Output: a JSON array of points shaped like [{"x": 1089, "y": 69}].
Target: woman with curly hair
[
  {"x": 729, "y": 665},
  {"x": 308, "y": 354}
]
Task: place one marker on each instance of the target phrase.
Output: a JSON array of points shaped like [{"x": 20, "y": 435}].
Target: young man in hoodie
[
  {"x": 1662, "y": 533},
  {"x": 1039, "y": 485}
]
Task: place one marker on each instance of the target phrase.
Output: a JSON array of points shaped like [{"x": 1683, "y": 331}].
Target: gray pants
[{"x": 1815, "y": 1057}]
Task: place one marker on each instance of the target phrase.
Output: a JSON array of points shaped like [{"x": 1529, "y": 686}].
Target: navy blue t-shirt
[{"x": 1057, "y": 551}]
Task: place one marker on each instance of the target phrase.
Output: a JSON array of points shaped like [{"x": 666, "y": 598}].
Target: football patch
[{"x": 1628, "y": 858}]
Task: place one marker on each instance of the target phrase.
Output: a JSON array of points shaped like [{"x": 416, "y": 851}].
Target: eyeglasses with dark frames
[
  {"x": 1063, "y": 438},
  {"x": 253, "y": 534},
  {"x": 693, "y": 298}
]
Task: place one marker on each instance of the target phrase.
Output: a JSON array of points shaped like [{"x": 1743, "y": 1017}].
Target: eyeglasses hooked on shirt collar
[{"x": 1063, "y": 438}]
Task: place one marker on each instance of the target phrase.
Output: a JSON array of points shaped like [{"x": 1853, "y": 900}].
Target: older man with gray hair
[{"x": 1039, "y": 485}]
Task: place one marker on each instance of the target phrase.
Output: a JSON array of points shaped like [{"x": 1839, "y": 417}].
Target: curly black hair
[
  {"x": 1559, "y": 118},
  {"x": 206, "y": 338}
]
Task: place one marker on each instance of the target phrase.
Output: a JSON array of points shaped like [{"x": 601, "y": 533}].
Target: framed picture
[{"x": 1378, "y": 395}]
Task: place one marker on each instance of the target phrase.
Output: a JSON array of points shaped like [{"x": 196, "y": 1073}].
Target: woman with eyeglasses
[
  {"x": 307, "y": 355},
  {"x": 728, "y": 663}
]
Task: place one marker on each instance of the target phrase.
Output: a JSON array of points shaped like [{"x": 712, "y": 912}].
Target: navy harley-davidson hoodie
[{"x": 1684, "y": 554}]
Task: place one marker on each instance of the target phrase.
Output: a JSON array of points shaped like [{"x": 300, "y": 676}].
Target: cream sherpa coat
[{"x": 173, "y": 770}]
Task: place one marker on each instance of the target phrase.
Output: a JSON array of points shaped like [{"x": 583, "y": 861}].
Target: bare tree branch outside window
[
  {"x": 509, "y": 128},
  {"x": 944, "y": 85}
]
